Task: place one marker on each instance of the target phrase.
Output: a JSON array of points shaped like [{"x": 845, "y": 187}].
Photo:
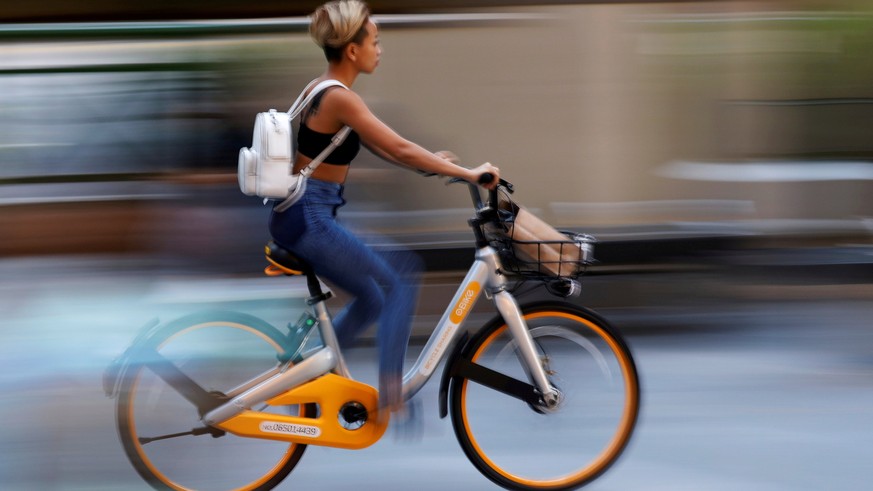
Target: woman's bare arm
[{"x": 386, "y": 143}]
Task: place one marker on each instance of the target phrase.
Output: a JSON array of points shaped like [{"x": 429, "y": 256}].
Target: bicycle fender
[
  {"x": 113, "y": 374},
  {"x": 448, "y": 374}
]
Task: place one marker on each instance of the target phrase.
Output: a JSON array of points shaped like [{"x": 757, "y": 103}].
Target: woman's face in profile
[{"x": 369, "y": 50}]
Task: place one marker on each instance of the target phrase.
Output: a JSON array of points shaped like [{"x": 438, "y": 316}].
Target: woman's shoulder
[{"x": 341, "y": 98}]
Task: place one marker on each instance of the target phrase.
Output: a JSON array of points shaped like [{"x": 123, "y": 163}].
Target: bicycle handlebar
[
  {"x": 488, "y": 177},
  {"x": 487, "y": 211},
  {"x": 485, "y": 178}
]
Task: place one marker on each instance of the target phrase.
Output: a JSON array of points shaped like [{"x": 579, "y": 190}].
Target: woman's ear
[{"x": 352, "y": 51}]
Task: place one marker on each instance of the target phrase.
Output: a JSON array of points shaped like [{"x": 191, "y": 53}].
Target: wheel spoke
[
  {"x": 179, "y": 381},
  {"x": 500, "y": 382}
]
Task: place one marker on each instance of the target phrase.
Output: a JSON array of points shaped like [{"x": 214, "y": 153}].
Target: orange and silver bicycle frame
[
  {"x": 485, "y": 271},
  {"x": 324, "y": 379}
]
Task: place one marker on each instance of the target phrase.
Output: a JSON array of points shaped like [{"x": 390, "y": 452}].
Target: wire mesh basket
[
  {"x": 530, "y": 247},
  {"x": 547, "y": 258}
]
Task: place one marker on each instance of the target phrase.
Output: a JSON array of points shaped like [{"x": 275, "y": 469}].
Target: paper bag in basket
[{"x": 536, "y": 241}]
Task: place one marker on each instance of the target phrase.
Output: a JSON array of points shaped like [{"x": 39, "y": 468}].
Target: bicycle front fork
[{"x": 527, "y": 352}]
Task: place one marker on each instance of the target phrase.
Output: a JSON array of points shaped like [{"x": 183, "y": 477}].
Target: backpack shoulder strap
[
  {"x": 336, "y": 141},
  {"x": 304, "y": 99}
]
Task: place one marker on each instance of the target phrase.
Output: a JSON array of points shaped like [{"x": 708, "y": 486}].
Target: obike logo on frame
[
  {"x": 465, "y": 302},
  {"x": 290, "y": 429}
]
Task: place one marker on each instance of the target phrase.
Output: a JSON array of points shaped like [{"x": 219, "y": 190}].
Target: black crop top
[{"x": 311, "y": 143}]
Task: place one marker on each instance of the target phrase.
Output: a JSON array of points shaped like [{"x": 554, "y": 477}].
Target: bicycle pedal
[{"x": 408, "y": 424}]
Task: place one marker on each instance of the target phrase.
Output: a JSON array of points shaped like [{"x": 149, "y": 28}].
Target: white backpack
[{"x": 265, "y": 168}]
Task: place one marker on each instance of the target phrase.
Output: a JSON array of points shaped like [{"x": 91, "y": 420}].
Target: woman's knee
[{"x": 406, "y": 263}]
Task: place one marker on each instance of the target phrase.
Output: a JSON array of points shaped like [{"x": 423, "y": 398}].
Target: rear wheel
[
  {"x": 161, "y": 429},
  {"x": 530, "y": 446}
]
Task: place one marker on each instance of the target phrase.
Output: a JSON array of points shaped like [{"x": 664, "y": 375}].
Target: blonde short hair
[{"x": 338, "y": 23}]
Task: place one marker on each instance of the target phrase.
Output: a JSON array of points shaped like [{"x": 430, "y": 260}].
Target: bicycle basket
[{"x": 528, "y": 246}]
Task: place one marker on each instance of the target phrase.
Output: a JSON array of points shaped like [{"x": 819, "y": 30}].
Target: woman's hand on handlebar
[{"x": 486, "y": 175}]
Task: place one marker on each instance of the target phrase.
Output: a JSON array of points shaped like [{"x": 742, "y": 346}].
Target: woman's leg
[
  {"x": 385, "y": 289},
  {"x": 402, "y": 294},
  {"x": 384, "y": 285}
]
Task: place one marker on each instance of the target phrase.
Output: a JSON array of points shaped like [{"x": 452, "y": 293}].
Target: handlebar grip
[{"x": 488, "y": 178}]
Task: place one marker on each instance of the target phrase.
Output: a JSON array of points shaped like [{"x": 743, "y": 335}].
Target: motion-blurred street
[{"x": 755, "y": 388}]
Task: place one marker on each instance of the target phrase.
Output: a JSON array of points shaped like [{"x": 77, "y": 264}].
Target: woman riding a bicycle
[{"x": 384, "y": 286}]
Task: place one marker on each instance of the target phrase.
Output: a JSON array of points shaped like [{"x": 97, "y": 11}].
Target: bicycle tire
[
  {"x": 217, "y": 350},
  {"x": 521, "y": 446}
]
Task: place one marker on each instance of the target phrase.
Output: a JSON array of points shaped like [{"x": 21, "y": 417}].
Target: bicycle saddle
[{"x": 283, "y": 261}]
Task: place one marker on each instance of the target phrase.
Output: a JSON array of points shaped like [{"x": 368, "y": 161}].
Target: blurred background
[
  {"x": 653, "y": 120},
  {"x": 719, "y": 150}
]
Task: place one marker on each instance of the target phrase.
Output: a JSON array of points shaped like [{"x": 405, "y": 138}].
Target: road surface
[{"x": 769, "y": 394}]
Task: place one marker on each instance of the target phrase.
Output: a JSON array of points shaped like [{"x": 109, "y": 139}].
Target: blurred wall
[{"x": 626, "y": 118}]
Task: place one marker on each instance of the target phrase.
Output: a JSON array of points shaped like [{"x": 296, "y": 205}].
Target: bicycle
[{"x": 193, "y": 393}]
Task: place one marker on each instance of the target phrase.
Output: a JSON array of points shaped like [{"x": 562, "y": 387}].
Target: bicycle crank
[{"x": 352, "y": 416}]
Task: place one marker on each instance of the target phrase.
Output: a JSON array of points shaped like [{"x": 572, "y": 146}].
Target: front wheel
[
  {"x": 211, "y": 354},
  {"x": 525, "y": 446}
]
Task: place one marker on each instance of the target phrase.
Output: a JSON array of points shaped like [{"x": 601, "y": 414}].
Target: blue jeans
[{"x": 384, "y": 284}]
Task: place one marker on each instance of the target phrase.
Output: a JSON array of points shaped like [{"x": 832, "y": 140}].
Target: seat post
[
  {"x": 287, "y": 262},
  {"x": 325, "y": 323},
  {"x": 316, "y": 294}
]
